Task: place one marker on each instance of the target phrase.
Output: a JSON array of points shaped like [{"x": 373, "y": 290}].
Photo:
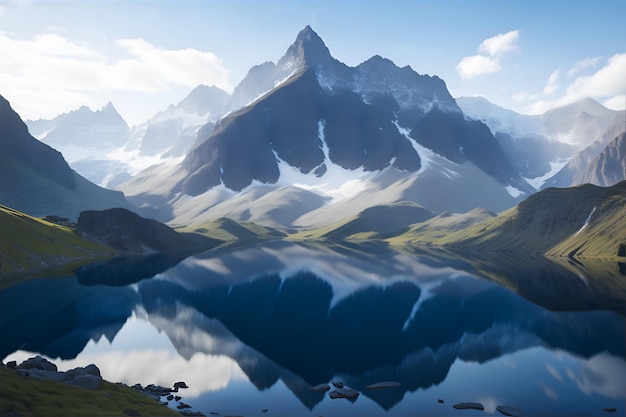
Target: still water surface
[{"x": 251, "y": 329}]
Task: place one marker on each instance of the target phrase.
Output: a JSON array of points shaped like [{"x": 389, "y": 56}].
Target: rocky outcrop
[
  {"x": 40, "y": 368},
  {"x": 126, "y": 231}
]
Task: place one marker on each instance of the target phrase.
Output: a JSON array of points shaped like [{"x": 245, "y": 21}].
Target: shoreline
[{"x": 39, "y": 389}]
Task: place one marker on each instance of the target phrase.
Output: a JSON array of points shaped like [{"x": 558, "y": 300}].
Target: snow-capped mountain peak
[{"x": 308, "y": 50}]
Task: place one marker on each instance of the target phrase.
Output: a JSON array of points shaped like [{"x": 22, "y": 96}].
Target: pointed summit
[
  {"x": 109, "y": 107},
  {"x": 308, "y": 50}
]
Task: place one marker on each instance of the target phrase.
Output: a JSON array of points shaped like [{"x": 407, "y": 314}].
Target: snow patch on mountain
[
  {"x": 337, "y": 183},
  {"x": 555, "y": 167},
  {"x": 514, "y": 192},
  {"x": 428, "y": 158},
  {"x": 586, "y": 221},
  {"x": 135, "y": 162},
  {"x": 499, "y": 119},
  {"x": 185, "y": 117}
]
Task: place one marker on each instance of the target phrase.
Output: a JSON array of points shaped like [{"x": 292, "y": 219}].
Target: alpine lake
[{"x": 251, "y": 329}]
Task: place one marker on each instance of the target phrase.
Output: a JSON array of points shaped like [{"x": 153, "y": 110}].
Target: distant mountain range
[
  {"x": 318, "y": 148},
  {"x": 308, "y": 142},
  {"x": 317, "y": 142},
  {"x": 321, "y": 141},
  {"x": 36, "y": 179},
  {"x": 540, "y": 146}
]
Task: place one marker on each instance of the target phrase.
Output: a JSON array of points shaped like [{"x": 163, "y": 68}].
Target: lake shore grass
[{"x": 23, "y": 396}]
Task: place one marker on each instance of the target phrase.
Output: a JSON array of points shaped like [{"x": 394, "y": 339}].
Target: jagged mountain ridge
[
  {"x": 36, "y": 179},
  {"x": 100, "y": 145},
  {"x": 173, "y": 131},
  {"x": 323, "y": 125},
  {"x": 85, "y": 138},
  {"x": 538, "y": 146},
  {"x": 574, "y": 172},
  {"x": 609, "y": 167},
  {"x": 83, "y": 127}
]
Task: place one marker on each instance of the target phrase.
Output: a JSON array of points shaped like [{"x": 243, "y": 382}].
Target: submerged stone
[
  {"x": 320, "y": 388},
  {"x": 383, "y": 385},
  {"x": 507, "y": 410},
  {"x": 469, "y": 406},
  {"x": 348, "y": 393}
]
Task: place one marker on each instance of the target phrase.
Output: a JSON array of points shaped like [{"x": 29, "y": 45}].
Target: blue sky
[{"x": 528, "y": 56}]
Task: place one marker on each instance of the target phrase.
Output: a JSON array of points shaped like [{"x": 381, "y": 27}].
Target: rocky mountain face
[
  {"x": 609, "y": 167},
  {"x": 346, "y": 137},
  {"x": 100, "y": 146},
  {"x": 103, "y": 128},
  {"x": 574, "y": 172},
  {"x": 36, "y": 179},
  {"x": 17, "y": 146},
  {"x": 173, "y": 131},
  {"x": 86, "y": 138},
  {"x": 538, "y": 146}
]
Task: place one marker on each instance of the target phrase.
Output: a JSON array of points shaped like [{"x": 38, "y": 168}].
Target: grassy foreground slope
[
  {"x": 584, "y": 221},
  {"x": 31, "y": 244},
  {"x": 28, "y": 397}
]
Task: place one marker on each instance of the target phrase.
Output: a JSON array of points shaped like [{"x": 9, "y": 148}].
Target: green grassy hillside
[
  {"x": 547, "y": 223},
  {"x": 375, "y": 222},
  {"x": 228, "y": 230},
  {"x": 23, "y": 396},
  {"x": 30, "y": 244},
  {"x": 437, "y": 229}
]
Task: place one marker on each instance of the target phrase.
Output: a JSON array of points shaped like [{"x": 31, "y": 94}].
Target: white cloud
[
  {"x": 50, "y": 74},
  {"x": 553, "y": 83},
  {"x": 607, "y": 81},
  {"x": 500, "y": 44},
  {"x": 602, "y": 374},
  {"x": 615, "y": 103},
  {"x": 584, "y": 64},
  {"x": 607, "y": 84},
  {"x": 472, "y": 66},
  {"x": 488, "y": 60}
]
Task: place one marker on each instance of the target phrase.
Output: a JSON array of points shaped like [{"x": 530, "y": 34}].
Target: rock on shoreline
[
  {"x": 40, "y": 368},
  {"x": 89, "y": 378}
]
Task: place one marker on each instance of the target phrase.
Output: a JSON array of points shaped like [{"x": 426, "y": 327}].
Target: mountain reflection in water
[{"x": 305, "y": 315}]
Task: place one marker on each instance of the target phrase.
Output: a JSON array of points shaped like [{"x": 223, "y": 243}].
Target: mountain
[
  {"x": 320, "y": 141},
  {"x": 100, "y": 146},
  {"x": 609, "y": 167},
  {"x": 36, "y": 179},
  {"x": 86, "y": 138},
  {"x": 539, "y": 145},
  {"x": 586, "y": 120},
  {"x": 573, "y": 173},
  {"x": 583, "y": 221},
  {"x": 82, "y": 131},
  {"x": 172, "y": 132},
  {"x": 103, "y": 128}
]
